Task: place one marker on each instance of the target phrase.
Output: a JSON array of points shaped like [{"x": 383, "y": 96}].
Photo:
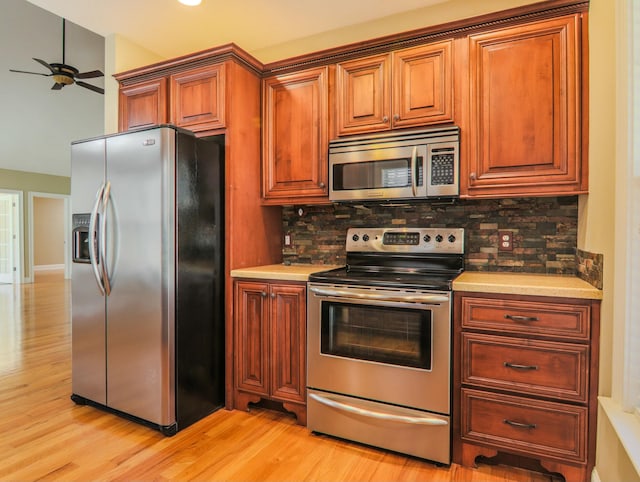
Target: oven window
[
  {"x": 389, "y": 173},
  {"x": 398, "y": 336}
]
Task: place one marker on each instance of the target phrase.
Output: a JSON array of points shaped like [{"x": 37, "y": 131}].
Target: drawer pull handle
[
  {"x": 521, "y": 318},
  {"x": 520, "y": 367},
  {"x": 519, "y": 425}
]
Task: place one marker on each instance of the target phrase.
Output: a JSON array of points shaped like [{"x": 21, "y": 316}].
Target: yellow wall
[
  {"x": 120, "y": 55},
  {"x": 48, "y": 231},
  {"x": 597, "y": 210},
  {"x": 415, "y": 19}
]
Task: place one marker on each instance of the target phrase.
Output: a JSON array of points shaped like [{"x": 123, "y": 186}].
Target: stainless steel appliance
[
  {"x": 379, "y": 341},
  {"x": 147, "y": 275},
  {"x": 394, "y": 166}
]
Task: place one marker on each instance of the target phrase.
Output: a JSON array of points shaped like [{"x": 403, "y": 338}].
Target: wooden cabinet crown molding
[
  {"x": 526, "y": 13},
  {"x": 188, "y": 62}
]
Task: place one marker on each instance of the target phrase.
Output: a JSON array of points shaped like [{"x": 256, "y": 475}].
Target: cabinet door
[
  {"x": 422, "y": 85},
  {"x": 197, "y": 98},
  {"x": 363, "y": 95},
  {"x": 295, "y": 137},
  {"x": 252, "y": 337},
  {"x": 525, "y": 111},
  {"x": 288, "y": 342},
  {"x": 143, "y": 105}
]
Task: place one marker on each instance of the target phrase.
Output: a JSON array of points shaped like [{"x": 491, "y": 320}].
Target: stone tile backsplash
[
  {"x": 544, "y": 230},
  {"x": 590, "y": 267}
]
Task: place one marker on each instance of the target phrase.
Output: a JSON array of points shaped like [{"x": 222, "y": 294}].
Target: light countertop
[
  {"x": 472, "y": 281},
  {"x": 526, "y": 284},
  {"x": 293, "y": 272}
]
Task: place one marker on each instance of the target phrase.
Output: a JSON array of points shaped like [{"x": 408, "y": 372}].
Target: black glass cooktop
[{"x": 414, "y": 280}]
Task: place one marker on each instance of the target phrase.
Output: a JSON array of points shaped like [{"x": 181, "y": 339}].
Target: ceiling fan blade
[
  {"x": 99, "y": 90},
  {"x": 57, "y": 86},
  {"x": 26, "y": 72},
  {"x": 45, "y": 64},
  {"x": 89, "y": 75}
]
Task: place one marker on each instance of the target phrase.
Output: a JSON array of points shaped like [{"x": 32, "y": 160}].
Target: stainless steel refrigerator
[{"x": 148, "y": 275}]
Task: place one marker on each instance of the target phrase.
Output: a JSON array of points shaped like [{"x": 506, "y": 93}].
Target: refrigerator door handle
[
  {"x": 92, "y": 239},
  {"x": 103, "y": 238}
]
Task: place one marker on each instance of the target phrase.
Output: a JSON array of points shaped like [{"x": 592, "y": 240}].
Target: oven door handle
[
  {"x": 362, "y": 295},
  {"x": 377, "y": 415}
]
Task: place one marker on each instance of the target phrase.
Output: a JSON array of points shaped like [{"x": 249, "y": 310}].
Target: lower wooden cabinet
[
  {"x": 269, "y": 344},
  {"x": 526, "y": 381}
]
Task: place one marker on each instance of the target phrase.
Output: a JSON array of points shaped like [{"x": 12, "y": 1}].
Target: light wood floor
[{"x": 45, "y": 436}]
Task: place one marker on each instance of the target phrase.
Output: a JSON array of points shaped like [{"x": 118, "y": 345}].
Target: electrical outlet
[
  {"x": 287, "y": 240},
  {"x": 505, "y": 240}
]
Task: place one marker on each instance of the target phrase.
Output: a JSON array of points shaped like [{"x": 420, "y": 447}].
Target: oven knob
[
  {"x": 365, "y": 237},
  {"x": 427, "y": 238},
  {"x": 452, "y": 238},
  {"x": 355, "y": 237},
  {"x": 439, "y": 238}
]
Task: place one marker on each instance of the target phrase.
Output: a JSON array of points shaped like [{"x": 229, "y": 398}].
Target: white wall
[{"x": 37, "y": 123}]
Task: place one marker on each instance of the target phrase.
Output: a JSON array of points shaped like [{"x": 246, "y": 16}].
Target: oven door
[
  {"x": 387, "y": 345},
  {"x": 381, "y": 173}
]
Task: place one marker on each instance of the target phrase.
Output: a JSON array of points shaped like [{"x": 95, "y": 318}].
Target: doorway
[
  {"x": 11, "y": 252},
  {"x": 49, "y": 233}
]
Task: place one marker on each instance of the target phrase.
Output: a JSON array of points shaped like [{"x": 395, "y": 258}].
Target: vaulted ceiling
[
  {"x": 169, "y": 28},
  {"x": 38, "y": 124}
]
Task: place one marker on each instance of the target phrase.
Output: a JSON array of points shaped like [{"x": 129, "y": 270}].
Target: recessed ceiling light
[{"x": 191, "y": 3}]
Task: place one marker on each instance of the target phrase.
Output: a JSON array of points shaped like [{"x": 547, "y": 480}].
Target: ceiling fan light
[
  {"x": 63, "y": 79},
  {"x": 191, "y": 3}
]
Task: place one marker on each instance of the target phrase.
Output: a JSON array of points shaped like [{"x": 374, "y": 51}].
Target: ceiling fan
[{"x": 64, "y": 74}]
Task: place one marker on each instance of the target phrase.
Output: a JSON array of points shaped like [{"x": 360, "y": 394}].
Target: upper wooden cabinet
[
  {"x": 182, "y": 92},
  {"x": 197, "y": 98},
  {"x": 192, "y": 99},
  {"x": 405, "y": 88},
  {"x": 295, "y": 137},
  {"x": 523, "y": 134},
  {"x": 143, "y": 104}
]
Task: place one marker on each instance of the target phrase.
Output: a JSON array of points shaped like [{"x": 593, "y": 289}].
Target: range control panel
[{"x": 406, "y": 240}]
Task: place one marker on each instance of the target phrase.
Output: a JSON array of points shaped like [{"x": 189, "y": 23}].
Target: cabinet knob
[
  {"x": 273, "y": 295},
  {"x": 473, "y": 176},
  {"x": 264, "y": 295},
  {"x": 385, "y": 119},
  {"x": 321, "y": 184},
  {"x": 396, "y": 117}
]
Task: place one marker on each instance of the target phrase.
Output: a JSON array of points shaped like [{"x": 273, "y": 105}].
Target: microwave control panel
[{"x": 443, "y": 166}]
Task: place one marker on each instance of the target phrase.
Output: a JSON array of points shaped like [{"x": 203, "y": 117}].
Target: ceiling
[
  {"x": 169, "y": 28},
  {"x": 39, "y": 124}
]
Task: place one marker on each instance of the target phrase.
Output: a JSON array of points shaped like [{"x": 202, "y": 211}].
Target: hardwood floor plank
[{"x": 45, "y": 436}]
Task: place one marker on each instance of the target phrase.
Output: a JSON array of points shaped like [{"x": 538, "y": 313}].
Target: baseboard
[
  {"x": 595, "y": 477},
  {"x": 48, "y": 267}
]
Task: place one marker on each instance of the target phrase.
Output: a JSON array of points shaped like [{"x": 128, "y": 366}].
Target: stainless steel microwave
[{"x": 416, "y": 164}]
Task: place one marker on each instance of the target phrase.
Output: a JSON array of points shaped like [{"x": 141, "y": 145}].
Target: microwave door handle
[
  {"x": 93, "y": 256},
  {"x": 414, "y": 177},
  {"x": 103, "y": 239},
  {"x": 364, "y": 412}
]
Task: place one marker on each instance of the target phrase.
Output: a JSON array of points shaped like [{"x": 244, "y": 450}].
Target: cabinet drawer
[
  {"x": 558, "y": 320},
  {"x": 544, "y": 368},
  {"x": 532, "y": 427}
]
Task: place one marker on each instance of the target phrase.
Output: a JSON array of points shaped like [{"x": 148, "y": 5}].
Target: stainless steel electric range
[{"x": 379, "y": 341}]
